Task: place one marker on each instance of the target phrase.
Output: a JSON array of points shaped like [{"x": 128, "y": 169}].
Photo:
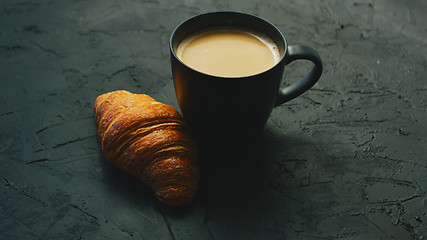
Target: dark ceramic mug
[{"x": 235, "y": 106}]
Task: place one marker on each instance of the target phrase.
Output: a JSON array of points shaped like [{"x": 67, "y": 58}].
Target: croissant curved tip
[{"x": 175, "y": 195}]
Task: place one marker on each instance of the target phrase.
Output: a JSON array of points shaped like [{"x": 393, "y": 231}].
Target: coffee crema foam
[{"x": 228, "y": 52}]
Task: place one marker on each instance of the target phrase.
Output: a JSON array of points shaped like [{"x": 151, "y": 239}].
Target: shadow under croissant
[{"x": 233, "y": 175}]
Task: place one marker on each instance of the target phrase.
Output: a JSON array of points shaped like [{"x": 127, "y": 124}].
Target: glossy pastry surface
[{"x": 149, "y": 140}]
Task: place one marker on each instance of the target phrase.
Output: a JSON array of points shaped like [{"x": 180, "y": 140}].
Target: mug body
[{"x": 226, "y": 106}]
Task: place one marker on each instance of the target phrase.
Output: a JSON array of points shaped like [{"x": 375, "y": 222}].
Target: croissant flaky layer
[{"x": 149, "y": 140}]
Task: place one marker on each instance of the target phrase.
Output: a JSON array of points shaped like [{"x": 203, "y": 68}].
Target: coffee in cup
[{"x": 229, "y": 52}]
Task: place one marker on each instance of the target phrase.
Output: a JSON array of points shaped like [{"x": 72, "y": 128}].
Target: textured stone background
[{"x": 347, "y": 160}]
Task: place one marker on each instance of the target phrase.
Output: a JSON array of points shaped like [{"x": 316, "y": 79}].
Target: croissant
[{"x": 150, "y": 141}]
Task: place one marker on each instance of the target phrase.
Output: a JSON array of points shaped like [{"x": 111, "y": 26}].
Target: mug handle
[{"x": 294, "y": 53}]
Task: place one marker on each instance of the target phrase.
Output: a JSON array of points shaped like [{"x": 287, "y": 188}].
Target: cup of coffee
[{"x": 227, "y": 68}]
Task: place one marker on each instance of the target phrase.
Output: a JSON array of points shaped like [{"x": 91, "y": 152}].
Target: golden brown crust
[{"x": 149, "y": 140}]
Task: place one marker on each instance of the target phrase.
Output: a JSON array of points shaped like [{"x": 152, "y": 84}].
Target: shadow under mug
[{"x": 227, "y": 107}]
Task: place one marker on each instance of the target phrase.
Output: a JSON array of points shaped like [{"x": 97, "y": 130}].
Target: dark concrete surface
[{"x": 347, "y": 160}]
